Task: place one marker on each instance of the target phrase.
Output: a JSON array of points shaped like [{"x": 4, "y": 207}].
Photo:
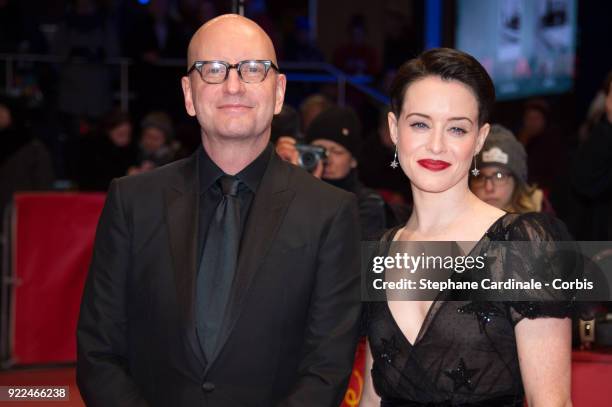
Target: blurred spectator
[
  {"x": 299, "y": 47},
  {"x": 544, "y": 144},
  {"x": 597, "y": 109},
  {"x": 25, "y": 164},
  {"x": 156, "y": 146},
  {"x": 257, "y": 10},
  {"x": 592, "y": 172},
  {"x": 156, "y": 33},
  {"x": 109, "y": 155},
  {"x": 338, "y": 130},
  {"x": 375, "y": 169},
  {"x": 286, "y": 124},
  {"x": 357, "y": 57},
  {"x": 286, "y": 133},
  {"x": 86, "y": 40},
  {"x": 401, "y": 42},
  {"x": 311, "y": 107},
  {"x": 187, "y": 138},
  {"x": 502, "y": 181}
]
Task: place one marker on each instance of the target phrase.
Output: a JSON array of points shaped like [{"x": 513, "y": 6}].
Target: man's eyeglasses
[
  {"x": 498, "y": 178},
  {"x": 250, "y": 71}
]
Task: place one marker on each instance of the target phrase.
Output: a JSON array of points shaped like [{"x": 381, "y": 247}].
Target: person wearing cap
[
  {"x": 155, "y": 147},
  {"x": 338, "y": 130},
  {"x": 502, "y": 179}
]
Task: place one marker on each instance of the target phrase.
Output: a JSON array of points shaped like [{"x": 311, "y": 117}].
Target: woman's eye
[
  {"x": 419, "y": 125},
  {"x": 458, "y": 130}
]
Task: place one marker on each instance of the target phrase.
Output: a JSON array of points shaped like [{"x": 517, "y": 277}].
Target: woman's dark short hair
[{"x": 448, "y": 64}]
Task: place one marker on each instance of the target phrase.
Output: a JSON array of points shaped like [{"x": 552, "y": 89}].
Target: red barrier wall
[{"x": 52, "y": 245}]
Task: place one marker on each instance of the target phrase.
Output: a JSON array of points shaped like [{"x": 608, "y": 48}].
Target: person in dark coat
[
  {"x": 25, "y": 163},
  {"x": 592, "y": 174},
  {"x": 230, "y": 278},
  {"x": 109, "y": 154}
]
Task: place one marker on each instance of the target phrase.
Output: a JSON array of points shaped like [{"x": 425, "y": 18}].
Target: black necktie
[{"x": 218, "y": 265}]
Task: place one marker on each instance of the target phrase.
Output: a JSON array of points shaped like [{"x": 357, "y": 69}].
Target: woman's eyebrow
[
  {"x": 429, "y": 117},
  {"x": 462, "y": 118},
  {"x": 418, "y": 114}
]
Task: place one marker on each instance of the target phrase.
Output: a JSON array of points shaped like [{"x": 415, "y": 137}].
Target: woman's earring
[
  {"x": 394, "y": 164},
  {"x": 475, "y": 171}
]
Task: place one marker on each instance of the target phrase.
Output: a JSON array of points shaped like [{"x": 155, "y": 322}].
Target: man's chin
[{"x": 238, "y": 133}]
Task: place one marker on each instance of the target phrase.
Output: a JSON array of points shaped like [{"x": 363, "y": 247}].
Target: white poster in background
[{"x": 510, "y": 22}]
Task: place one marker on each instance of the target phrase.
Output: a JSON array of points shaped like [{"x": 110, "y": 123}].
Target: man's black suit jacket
[{"x": 290, "y": 330}]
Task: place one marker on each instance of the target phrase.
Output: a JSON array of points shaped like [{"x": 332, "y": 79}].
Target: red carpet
[{"x": 591, "y": 373}]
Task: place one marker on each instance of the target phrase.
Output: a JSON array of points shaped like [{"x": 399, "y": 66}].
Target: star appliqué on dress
[
  {"x": 483, "y": 312},
  {"x": 462, "y": 376},
  {"x": 389, "y": 350}
]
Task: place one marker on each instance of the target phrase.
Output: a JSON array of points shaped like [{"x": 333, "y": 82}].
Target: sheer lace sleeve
[{"x": 541, "y": 248}]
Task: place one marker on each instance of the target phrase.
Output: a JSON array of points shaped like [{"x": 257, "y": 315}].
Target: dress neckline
[{"x": 437, "y": 302}]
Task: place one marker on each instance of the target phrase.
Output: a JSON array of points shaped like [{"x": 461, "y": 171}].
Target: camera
[{"x": 309, "y": 156}]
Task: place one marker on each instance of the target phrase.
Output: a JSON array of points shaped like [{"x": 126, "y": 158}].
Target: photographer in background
[
  {"x": 592, "y": 173},
  {"x": 337, "y": 130}
]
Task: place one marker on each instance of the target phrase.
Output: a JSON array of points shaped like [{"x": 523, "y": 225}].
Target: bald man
[{"x": 230, "y": 278}]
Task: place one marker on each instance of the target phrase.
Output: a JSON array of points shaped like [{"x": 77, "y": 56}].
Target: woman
[
  {"x": 444, "y": 353},
  {"x": 502, "y": 177}
]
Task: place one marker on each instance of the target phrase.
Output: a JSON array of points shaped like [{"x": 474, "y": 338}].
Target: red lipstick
[{"x": 434, "y": 165}]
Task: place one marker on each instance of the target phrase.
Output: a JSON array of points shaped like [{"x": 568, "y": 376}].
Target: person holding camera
[{"x": 333, "y": 142}]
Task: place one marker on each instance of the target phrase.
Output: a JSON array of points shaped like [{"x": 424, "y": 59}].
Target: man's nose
[{"x": 233, "y": 84}]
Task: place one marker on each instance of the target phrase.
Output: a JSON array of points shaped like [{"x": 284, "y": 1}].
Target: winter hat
[
  {"x": 161, "y": 121},
  {"x": 338, "y": 124},
  {"x": 501, "y": 148}
]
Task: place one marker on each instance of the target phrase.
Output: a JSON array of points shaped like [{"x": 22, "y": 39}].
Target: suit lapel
[
  {"x": 265, "y": 217},
  {"x": 182, "y": 214}
]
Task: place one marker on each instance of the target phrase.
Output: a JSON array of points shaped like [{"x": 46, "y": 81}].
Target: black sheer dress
[{"x": 465, "y": 352}]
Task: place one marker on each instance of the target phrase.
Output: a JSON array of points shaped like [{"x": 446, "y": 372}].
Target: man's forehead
[
  {"x": 231, "y": 53},
  {"x": 231, "y": 40}
]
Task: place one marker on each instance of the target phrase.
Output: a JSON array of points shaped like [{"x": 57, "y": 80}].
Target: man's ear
[
  {"x": 281, "y": 84},
  {"x": 188, "y": 96},
  {"x": 392, "y": 120},
  {"x": 483, "y": 132}
]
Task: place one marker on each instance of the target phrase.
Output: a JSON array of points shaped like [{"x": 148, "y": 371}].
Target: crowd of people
[
  {"x": 530, "y": 170},
  {"x": 82, "y": 142}
]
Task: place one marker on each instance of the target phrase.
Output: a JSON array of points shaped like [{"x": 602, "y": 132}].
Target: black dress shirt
[{"x": 211, "y": 194}]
